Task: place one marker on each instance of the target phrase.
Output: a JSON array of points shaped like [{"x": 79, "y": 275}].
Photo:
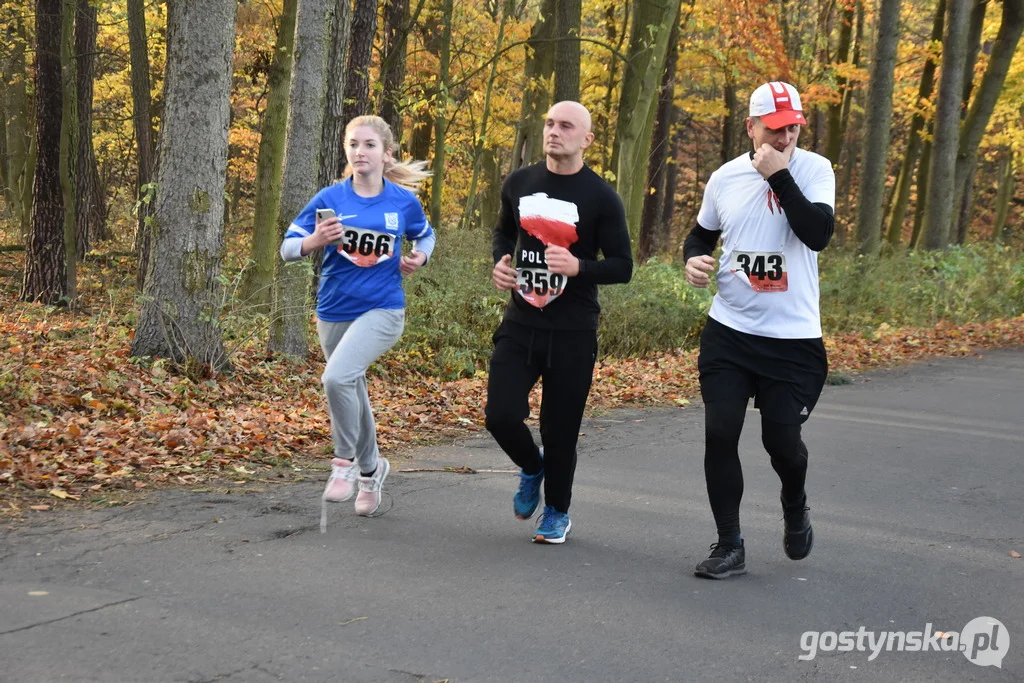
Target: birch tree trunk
[{"x": 183, "y": 294}]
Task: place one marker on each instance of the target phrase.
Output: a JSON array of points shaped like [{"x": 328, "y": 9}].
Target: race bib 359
[{"x": 539, "y": 286}]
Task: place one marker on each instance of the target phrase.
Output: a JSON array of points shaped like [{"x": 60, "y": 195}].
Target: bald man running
[{"x": 555, "y": 217}]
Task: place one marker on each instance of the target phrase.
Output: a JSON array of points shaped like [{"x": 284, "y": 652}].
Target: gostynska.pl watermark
[{"x": 983, "y": 641}]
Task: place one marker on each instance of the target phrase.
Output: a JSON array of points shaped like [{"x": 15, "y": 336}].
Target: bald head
[
  {"x": 575, "y": 111},
  {"x": 566, "y": 135}
]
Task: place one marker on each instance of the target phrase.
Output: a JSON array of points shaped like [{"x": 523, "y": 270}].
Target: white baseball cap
[{"x": 778, "y": 105}]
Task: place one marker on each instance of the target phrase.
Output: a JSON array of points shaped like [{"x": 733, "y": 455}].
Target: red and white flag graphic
[{"x": 552, "y": 221}]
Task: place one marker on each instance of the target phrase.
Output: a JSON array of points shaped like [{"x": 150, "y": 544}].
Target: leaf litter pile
[{"x": 80, "y": 419}]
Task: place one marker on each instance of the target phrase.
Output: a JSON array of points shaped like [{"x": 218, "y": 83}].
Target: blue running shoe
[
  {"x": 527, "y": 498},
  {"x": 554, "y": 526}
]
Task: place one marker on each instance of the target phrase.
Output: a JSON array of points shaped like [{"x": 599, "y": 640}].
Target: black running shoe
[
  {"x": 798, "y": 536},
  {"x": 726, "y": 560}
]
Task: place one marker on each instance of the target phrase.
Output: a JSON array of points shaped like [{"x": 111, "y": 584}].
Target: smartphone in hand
[{"x": 324, "y": 214}]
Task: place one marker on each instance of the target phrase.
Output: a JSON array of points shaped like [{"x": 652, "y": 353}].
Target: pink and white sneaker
[
  {"x": 368, "y": 499},
  {"x": 342, "y": 484}
]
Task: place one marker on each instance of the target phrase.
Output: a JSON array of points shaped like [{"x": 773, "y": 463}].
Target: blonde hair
[{"x": 409, "y": 174}]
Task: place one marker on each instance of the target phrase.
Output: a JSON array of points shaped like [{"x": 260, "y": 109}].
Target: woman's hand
[{"x": 413, "y": 262}]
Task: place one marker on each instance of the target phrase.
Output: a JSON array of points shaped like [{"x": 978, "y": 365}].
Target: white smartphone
[{"x": 324, "y": 214}]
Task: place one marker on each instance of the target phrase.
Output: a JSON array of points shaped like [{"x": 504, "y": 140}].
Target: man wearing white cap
[{"x": 773, "y": 207}]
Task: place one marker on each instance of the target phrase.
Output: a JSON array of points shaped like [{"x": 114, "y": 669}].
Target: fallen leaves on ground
[{"x": 80, "y": 417}]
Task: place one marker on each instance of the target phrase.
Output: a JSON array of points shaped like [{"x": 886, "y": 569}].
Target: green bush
[{"x": 454, "y": 308}]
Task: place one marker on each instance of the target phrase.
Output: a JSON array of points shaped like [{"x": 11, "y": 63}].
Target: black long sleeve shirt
[{"x": 600, "y": 228}]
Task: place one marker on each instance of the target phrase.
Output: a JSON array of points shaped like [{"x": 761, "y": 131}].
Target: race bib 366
[{"x": 364, "y": 247}]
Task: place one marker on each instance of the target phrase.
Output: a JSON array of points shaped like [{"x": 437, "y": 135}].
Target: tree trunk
[
  {"x": 879, "y": 119},
  {"x": 470, "y": 214},
  {"x": 668, "y": 209},
  {"x": 258, "y": 280},
  {"x": 21, "y": 157},
  {"x": 834, "y": 131},
  {"x": 91, "y": 212},
  {"x": 397, "y": 24},
  {"x": 728, "y": 122},
  {"x": 567, "y": 50},
  {"x": 441, "y": 113},
  {"x": 45, "y": 279},
  {"x": 69, "y": 143},
  {"x": 984, "y": 103},
  {"x": 360, "y": 55},
  {"x": 307, "y": 97},
  {"x": 182, "y": 295},
  {"x": 648, "y": 45},
  {"x": 1003, "y": 196},
  {"x": 939, "y": 198},
  {"x": 332, "y": 143},
  {"x": 142, "y": 120},
  {"x": 922, "y": 187},
  {"x": 540, "y": 66},
  {"x": 613, "y": 37},
  {"x": 654, "y": 198},
  {"x": 901, "y": 192},
  {"x": 490, "y": 198}
]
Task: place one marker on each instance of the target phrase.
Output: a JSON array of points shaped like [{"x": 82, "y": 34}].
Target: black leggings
[
  {"x": 564, "y": 360},
  {"x": 723, "y": 422}
]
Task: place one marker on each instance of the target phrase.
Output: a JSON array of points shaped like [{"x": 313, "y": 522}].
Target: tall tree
[
  {"x": 181, "y": 304},
  {"x": 1003, "y": 195},
  {"x": 360, "y": 56},
  {"x": 648, "y": 45},
  {"x": 20, "y": 158},
  {"x": 259, "y": 277},
  {"x": 603, "y": 127},
  {"x": 982, "y": 106},
  {"x": 654, "y": 198},
  {"x": 332, "y": 146},
  {"x": 441, "y": 112},
  {"x": 834, "y": 132},
  {"x": 91, "y": 212},
  {"x": 939, "y": 197},
  {"x": 877, "y": 123},
  {"x": 471, "y": 213},
  {"x": 567, "y": 49},
  {"x": 45, "y": 278},
  {"x": 142, "y": 121},
  {"x": 289, "y": 329},
  {"x": 901, "y": 192},
  {"x": 69, "y": 143},
  {"x": 540, "y": 66},
  {"x": 397, "y": 24}
]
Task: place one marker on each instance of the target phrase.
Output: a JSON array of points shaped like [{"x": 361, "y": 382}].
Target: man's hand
[
  {"x": 698, "y": 271},
  {"x": 560, "y": 260},
  {"x": 768, "y": 160},
  {"x": 504, "y": 275},
  {"x": 413, "y": 262}
]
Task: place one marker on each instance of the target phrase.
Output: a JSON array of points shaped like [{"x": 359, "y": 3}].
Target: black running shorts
[{"x": 785, "y": 376}]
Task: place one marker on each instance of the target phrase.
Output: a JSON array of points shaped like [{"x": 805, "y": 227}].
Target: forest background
[{"x": 153, "y": 152}]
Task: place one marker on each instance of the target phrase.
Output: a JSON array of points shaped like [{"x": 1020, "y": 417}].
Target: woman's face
[{"x": 365, "y": 152}]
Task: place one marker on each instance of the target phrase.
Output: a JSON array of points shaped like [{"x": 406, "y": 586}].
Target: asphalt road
[{"x": 916, "y": 496}]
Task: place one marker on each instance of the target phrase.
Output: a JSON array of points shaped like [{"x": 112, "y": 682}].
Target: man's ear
[{"x": 588, "y": 139}]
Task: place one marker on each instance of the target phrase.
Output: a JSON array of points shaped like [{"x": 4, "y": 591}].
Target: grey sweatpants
[{"x": 350, "y": 347}]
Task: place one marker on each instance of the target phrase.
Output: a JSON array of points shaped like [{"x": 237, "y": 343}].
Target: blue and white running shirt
[{"x": 348, "y": 290}]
